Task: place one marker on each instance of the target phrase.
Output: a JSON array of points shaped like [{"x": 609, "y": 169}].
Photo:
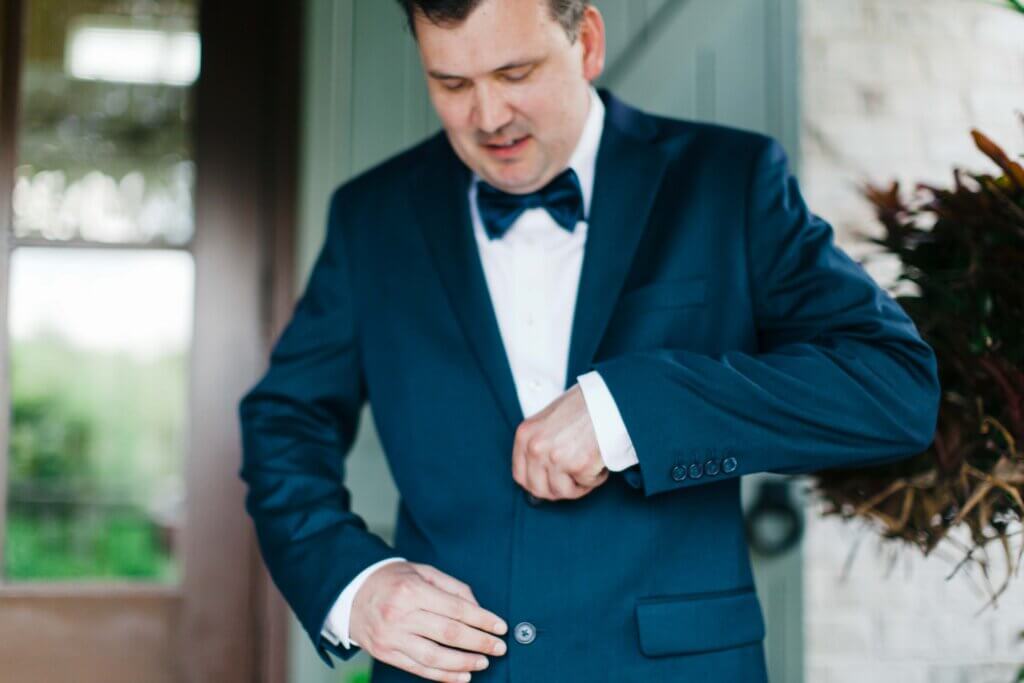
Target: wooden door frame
[
  {"x": 247, "y": 149},
  {"x": 227, "y": 622}
]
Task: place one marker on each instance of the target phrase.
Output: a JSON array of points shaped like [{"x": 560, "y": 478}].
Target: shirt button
[
  {"x": 533, "y": 500},
  {"x": 535, "y": 384},
  {"x": 525, "y": 632}
]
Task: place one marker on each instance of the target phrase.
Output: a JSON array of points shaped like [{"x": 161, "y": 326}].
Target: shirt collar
[{"x": 584, "y": 158}]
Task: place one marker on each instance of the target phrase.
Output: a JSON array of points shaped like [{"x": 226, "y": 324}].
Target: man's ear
[{"x": 591, "y": 35}]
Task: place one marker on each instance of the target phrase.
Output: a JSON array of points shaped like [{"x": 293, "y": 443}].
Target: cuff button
[
  {"x": 729, "y": 465},
  {"x": 711, "y": 467},
  {"x": 678, "y": 473},
  {"x": 696, "y": 471}
]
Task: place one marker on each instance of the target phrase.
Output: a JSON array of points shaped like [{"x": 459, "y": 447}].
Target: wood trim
[
  {"x": 11, "y": 37},
  {"x": 284, "y": 189},
  {"x": 90, "y": 638},
  {"x": 233, "y": 623}
]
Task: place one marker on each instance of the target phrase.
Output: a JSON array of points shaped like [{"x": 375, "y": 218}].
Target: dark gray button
[
  {"x": 525, "y": 632},
  {"x": 533, "y": 500},
  {"x": 679, "y": 473},
  {"x": 696, "y": 471},
  {"x": 711, "y": 467},
  {"x": 729, "y": 465}
]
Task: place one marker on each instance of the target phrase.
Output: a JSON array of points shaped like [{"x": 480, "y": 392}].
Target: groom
[{"x": 651, "y": 295}]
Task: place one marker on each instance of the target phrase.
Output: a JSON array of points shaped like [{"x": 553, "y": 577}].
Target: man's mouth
[
  {"x": 508, "y": 146},
  {"x": 505, "y": 144}
]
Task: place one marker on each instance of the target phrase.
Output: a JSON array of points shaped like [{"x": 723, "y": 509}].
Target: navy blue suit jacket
[{"x": 732, "y": 333}]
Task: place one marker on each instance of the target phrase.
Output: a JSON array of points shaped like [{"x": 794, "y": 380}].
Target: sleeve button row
[{"x": 697, "y": 470}]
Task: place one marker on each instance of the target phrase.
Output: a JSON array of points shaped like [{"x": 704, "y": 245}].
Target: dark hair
[{"x": 568, "y": 13}]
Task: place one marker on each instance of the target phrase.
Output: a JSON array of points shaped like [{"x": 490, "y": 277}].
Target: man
[{"x": 651, "y": 295}]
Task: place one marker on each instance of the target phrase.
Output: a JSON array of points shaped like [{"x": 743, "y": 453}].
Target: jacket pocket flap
[
  {"x": 666, "y": 294},
  {"x": 699, "y": 623}
]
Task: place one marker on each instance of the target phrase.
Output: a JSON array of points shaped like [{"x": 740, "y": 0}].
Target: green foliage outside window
[{"x": 96, "y": 441}]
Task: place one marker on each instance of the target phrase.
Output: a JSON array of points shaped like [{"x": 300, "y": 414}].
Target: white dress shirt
[{"x": 532, "y": 275}]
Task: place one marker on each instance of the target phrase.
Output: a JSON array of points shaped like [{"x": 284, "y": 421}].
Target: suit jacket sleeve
[
  {"x": 298, "y": 423},
  {"x": 840, "y": 377}
]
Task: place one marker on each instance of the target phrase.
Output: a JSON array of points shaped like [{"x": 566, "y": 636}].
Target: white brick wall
[{"x": 890, "y": 90}]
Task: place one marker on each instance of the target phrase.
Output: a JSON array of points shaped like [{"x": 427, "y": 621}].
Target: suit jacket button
[
  {"x": 679, "y": 473},
  {"x": 525, "y": 632},
  {"x": 696, "y": 471},
  {"x": 711, "y": 467},
  {"x": 729, "y": 465},
  {"x": 533, "y": 500}
]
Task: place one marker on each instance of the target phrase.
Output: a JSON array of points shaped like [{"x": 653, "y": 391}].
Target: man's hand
[
  {"x": 405, "y": 612},
  {"x": 555, "y": 455}
]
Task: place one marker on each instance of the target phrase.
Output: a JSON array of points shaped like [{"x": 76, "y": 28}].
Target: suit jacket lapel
[
  {"x": 626, "y": 180},
  {"x": 443, "y": 214}
]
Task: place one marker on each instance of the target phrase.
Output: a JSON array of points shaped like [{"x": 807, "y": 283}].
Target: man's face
[{"x": 509, "y": 74}]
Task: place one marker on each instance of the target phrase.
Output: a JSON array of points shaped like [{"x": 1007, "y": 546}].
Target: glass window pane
[
  {"x": 99, "y": 367},
  {"x": 104, "y": 140}
]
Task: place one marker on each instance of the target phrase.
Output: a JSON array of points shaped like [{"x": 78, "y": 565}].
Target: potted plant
[{"x": 962, "y": 255}]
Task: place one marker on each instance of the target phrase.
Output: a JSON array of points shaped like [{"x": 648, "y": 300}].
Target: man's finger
[
  {"x": 454, "y": 607},
  {"x": 432, "y": 655},
  {"x": 403, "y": 661},
  {"x": 589, "y": 481},
  {"x": 537, "y": 480},
  {"x": 445, "y": 582},
  {"x": 563, "y": 486},
  {"x": 448, "y": 631},
  {"x": 519, "y": 458}
]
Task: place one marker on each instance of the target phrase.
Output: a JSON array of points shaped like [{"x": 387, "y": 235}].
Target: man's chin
[{"x": 513, "y": 180}]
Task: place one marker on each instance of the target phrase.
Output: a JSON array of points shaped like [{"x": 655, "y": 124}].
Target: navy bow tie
[{"x": 562, "y": 198}]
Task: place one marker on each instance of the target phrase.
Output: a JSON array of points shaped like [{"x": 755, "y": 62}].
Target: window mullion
[{"x": 77, "y": 243}]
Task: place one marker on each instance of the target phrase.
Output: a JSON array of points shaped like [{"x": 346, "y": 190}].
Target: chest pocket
[{"x": 665, "y": 294}]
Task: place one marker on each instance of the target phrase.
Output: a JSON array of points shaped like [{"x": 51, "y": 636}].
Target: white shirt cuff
[
  {"x": 612, "y": 438},
  {"x": 336, "y": 626}
]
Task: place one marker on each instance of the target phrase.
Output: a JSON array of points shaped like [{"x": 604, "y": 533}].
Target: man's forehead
[{"x": 472, "y": 58}]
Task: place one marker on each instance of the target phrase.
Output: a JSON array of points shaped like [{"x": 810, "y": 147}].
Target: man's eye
[
  {"x": 454, "y": 85},
  {"x": 517, "y": 75}
]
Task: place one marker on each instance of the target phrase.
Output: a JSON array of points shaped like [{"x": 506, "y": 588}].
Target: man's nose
[{"x": 492, "y": 111}]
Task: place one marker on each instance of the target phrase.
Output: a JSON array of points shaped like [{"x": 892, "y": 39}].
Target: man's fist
[
  {"x": 555, "y": 454},
  {"x": 405, "y": 612}
]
